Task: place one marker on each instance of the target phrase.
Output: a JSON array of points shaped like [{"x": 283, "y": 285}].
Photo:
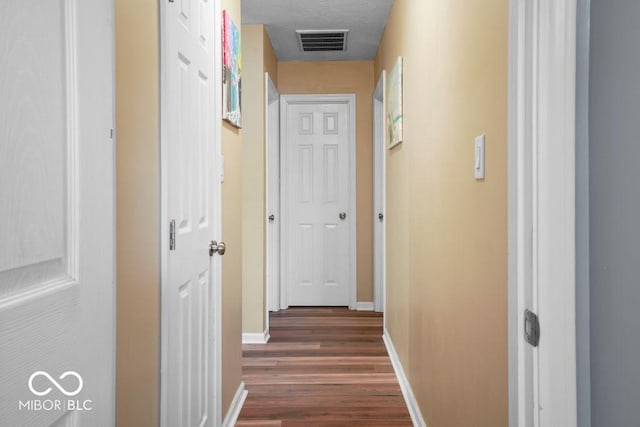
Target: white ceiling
[{"x": 365, "y": 20}]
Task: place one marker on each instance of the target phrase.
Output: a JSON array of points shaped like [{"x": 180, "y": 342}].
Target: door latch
[{"x": 531, "y": 328}]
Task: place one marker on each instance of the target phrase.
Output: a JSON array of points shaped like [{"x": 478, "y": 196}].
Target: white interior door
[
  {"x": 190, "y": 290},
  {"x": 318, "y": 204},
  {"x": 272, "y": 120},
  {"x": 379, "y": 154},
  {"x": 542, "y": 214},
  {"x": 57, "y": 325}
]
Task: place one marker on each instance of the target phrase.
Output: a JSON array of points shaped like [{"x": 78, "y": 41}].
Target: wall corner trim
[
  {"x": 364, "y": 306},
  {"x": 236, "y": 406},
  {"x": 407, "y": 392},
  {"x": 256, "y": 338}
]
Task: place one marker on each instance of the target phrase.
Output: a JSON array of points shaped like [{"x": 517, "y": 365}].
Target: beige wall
[
  {"x": 138, "y": 244},
  {"x": 253, "y": 194},
  {"x": 270, "y": 58},
  {"x": 346, "y": 77},
  {"x": 138, "y": 213},
  {"x": 446, "y": 232},
  {"x": 258, "y": 57},
  {"x": 232, "y": 260}
]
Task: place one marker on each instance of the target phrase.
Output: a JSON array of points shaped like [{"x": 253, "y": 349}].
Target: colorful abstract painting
[
  {"x": 231, "y": 72},
  {"x": 393, "y": 99}
]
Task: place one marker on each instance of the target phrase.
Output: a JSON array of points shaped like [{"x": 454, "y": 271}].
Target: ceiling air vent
[{"x": 322, "y": 40}]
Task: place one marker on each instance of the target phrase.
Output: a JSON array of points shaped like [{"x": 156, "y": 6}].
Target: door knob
[
  {"x": 214, "y": 247},
  {"x": 342, "y": 215},
  {"x": 380, "y": 216},
  {"x": 272, "y": 218}
]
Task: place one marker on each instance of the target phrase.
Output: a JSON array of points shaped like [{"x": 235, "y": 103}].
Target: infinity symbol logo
[{"x": 55, "y": 383}]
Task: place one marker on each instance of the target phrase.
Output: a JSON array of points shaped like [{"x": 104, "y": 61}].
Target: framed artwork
[
  {"x": 231, "y": 72},
  {"x": 393, "y": 99}
]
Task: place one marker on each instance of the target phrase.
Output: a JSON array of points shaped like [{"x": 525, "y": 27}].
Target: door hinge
[
  {"x": 172, "y": 235},
  {"x": 531, "y": 328}
]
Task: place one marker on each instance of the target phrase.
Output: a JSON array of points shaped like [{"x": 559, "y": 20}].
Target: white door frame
[
  {"x": 350, "y": 100},
  {"x": 379, "y": 190},
  {"x": 216, "y": 269},
  {"x": 541, "y": 204},
  {"x": 272, "y": 136}
]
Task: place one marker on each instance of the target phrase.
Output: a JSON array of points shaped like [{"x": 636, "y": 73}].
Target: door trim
[
  {"x": 272, "y": 99},
  {"x": 216, "y": 270},
  {"x": 549, "y": 200},
  {"x": 350, "y": 100},
  {"x": 380, "y": 149},
  {"x": 217, "y": 208}
]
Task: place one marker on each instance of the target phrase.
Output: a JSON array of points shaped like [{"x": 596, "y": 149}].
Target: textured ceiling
[{"x": 365, "y": 20}]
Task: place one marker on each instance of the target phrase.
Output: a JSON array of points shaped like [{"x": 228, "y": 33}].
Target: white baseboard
[
  {"x": 407, "y": 392},
  {"x": 256, "y": 338},
  {"x": 364, "y": 306},
  {"x": 236, "y": 407}
]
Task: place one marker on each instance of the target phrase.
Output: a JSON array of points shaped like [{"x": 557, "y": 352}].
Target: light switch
[{"x": 479, "y": 157}]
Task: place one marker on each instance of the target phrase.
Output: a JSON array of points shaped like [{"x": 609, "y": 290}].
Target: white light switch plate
[{"x": 479, "y": 157}]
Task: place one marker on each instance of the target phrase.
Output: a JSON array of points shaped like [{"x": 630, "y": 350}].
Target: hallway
[
  {"x": 322, "y": 366},
  {"x": 203, "y": 203}
]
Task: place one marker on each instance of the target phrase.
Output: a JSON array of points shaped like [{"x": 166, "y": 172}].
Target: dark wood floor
[{"x": 322, "y": 367}]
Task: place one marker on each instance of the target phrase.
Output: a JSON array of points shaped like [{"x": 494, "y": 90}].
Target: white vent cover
[{"x": 322, "y": 40}]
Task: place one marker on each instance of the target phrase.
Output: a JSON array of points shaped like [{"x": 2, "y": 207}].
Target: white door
[
  {"x": 192, "y": 190},
  {"x": 272, "y": 120},
  {"x": 542, "y": 214},
  {"x": 379, "y": 152},
  {"x": 318, "y": 196},
  {"x": 57, "y": 325}
]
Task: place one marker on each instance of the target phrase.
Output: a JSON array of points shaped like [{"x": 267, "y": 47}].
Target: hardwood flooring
[{"x": 322, "y": 367}]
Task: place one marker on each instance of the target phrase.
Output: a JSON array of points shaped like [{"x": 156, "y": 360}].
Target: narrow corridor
[{"x": 322, "y": 366}]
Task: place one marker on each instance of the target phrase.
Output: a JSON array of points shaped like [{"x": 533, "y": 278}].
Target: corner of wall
[
  {"x": 253, "y": 175},
  {"x": 138, "y": 201},
  {"x": 232, "y": 142}
]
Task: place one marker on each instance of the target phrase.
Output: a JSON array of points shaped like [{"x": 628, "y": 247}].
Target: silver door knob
[
  {"x": 380, "y": 216},
  {"x": 214, "y": 247},
  {"x": 272, "y": 218},
  {"x": 342, "y": 215}
]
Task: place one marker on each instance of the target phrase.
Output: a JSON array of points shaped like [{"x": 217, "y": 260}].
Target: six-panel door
[{"x": 317, "y": 203}]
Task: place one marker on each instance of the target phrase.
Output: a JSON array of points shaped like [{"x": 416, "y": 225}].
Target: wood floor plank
[{"x": 322, "y": 367}]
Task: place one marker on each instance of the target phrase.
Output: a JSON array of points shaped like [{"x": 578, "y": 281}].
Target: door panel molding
[
  {"x": 285, "y": 102},
  {"x": 57, "y": 193}
]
